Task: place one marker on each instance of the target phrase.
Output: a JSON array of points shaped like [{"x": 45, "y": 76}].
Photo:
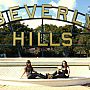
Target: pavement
[
  {"x": 5, "y": 87},
  {"x": 14, "y": 72}
]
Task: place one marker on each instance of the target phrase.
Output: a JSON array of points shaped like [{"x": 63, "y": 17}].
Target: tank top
[
  {"x": 28, "y": 70},
  {"x": 65, "y": 70}
]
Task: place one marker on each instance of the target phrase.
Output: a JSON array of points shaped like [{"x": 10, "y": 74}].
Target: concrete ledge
[
  {"x": 49, "y": 82},
  {"x": 44, "y": 61}
]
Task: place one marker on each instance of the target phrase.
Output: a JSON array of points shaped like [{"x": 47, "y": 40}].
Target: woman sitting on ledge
[
  {"x": 30, "y": 72},
  {"x": 62, "y": 72}
]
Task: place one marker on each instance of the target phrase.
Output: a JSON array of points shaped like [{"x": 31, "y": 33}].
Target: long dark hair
[
  {"x": 65, "y": 64},
  {"x": 28, "y": 62}
]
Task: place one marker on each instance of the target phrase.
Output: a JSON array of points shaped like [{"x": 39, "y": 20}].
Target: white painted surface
[
  {"x": 78, "y": 75},
  {"x": 44, "y": 61},
  {"x": 16, "y": 72}
]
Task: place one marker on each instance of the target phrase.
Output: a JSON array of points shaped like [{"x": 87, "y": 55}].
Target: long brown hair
[
  {"x": 65, "y": 64},
  {"x": 28, "y": 62}
]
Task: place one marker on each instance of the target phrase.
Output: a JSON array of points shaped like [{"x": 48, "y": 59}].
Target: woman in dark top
[
  {"x": 62, "y": 72},
  {"x": 30, "y": 72}
]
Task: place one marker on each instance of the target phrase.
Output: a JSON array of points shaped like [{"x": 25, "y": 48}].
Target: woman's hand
[{"x": 21, "y": 77}]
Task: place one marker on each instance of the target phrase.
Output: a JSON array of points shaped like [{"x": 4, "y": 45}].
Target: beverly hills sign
[{"x": 45, "y": 14}]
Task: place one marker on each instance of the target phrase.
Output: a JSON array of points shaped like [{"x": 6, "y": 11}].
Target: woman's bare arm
[
  {"x": 23, "y": 73},
  {"x": 69, "y": 70},
  {"x": 34, "y": 71}
]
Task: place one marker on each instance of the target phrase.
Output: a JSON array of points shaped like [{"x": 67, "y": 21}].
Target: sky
[{"x": 80, "y": 5}]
